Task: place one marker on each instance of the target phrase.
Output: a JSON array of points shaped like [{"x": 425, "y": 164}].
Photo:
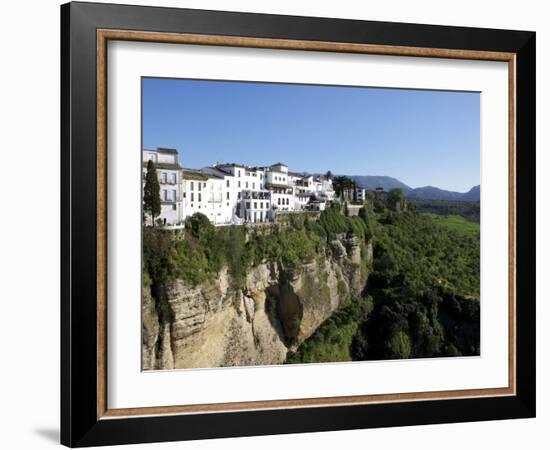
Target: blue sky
[{"x": 420, "y": 137}]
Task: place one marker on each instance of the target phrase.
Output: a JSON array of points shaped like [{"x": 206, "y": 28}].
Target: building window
[
  {"x": 246, "y": 185},
  {"x": 227, "y": 183},
  {"x": 164, "y": 194},
  {"x": 200, "y": 198},
  {"x": 255, "y": 205},
  {"x": 261, "y": 186},
  {"x": 253, "y": 185},
  {"x": 163, "y": 177},
  {"x": 192, "y": 197},
  {"x": 239, "y": 184},
  {"x": 278, "y": 201},
  {"x": 174, "y": 194},
  {"x": 204, "y": 185},
  {"x": 173, "y": 178},
  {"x": 227, "y": 195},
  {"x": 192, "y": 186},
  {"x": 174, "y": 207},
  {"x": 287, "y": 201},
  {"x": 247, "y": 205},
  {"x": 239, "y": 173},
  {"x": 261, "y": 176}
]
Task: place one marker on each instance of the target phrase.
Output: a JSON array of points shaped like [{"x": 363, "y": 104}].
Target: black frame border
[{"x": 79, "y": 423}]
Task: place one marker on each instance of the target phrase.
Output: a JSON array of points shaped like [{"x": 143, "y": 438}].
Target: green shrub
[
  {"x": 332, "y": 341},
  {"x": 198, "y": 224},
  {"x": 333, "y": 222},
  {"x": 425, "y": 282}
]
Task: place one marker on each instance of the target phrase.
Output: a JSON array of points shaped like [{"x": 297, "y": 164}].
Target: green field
[{"x": 457, "y": 223}]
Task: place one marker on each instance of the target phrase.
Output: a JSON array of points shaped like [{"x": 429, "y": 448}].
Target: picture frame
[{"x": 86, "y": 418}]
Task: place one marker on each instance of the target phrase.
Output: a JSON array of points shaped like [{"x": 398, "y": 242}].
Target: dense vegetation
[
  {"x": 198, "y": 253},
  {"x": 425, "y": 286},
  {"x": 468, "y": 210},
  {"x": 422, "y": 298},
  {"x": 412, "y": 250},
  {"x": 332, "y": 341},
  {"x": 456, "y": 223}
]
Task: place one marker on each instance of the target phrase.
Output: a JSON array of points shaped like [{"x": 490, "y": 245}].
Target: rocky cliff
[{"x": 217, "y": 324}]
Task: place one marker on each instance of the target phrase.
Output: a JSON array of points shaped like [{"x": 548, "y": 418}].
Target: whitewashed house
[
  {"x": 169, "y": 175},
  {"x": 232, "y": 193},
  {"x": 207, "y": 192},
  {"x": 194, "y": 185},
  {"x": 282, "y": 193},
  {"x": 361, "y": 195},
  {"x": 227, "y": 204},
  {"x": 256, "y": 206},
  {"x": 302, "y": 190},
  {"x": 252, "y": 198},
  {"x": 328, "y": 188}
]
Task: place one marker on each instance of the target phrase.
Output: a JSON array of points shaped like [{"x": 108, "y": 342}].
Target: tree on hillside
[
  {"x": 396, "y": 196},
  {"x": 151, "y": 192},
  {"x": 341, "y": 184},
  {"x": 354, "y": 191},
  {"x": 329, "y": 175},
  {"x": 198, "y": 224}
]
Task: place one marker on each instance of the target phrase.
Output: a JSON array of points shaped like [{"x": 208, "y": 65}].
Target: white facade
[
  {"x": 233, "y": 193},
  {"x": 223, "y": 196},
  {"x": 256, "y": 206},
  {"x": 170, "y": 181},
  {"x": 208, "y": 194},
  {"x": 245, "y": 191},
  {"x": 282, "y": 191}
]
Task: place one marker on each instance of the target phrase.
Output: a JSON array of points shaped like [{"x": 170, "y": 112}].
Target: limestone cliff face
[{"x": 215, "y": 324}]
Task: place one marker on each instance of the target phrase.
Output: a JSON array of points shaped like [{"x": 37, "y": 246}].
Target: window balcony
[{"x": 256, "y": 195}]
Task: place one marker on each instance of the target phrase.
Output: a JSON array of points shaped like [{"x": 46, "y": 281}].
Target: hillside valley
[{"x": 321, "y": 287}]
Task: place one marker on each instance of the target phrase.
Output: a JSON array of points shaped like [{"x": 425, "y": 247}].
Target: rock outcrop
[{"x": 216, "y": 324}]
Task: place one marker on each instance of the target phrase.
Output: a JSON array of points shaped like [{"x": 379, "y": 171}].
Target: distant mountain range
[{"x": 371, "y": 182}]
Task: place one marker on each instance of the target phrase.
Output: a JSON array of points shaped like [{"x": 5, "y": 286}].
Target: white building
[
  {"x": 227, "y": 202},
  {"x": 246, "y": 192},
  {"x": 256, "y": 207},
  {"x": 211, "y": 192},
  {"x": 303, "y": 190},
  {"x": 282, "y": 192},
  {"x": 170, "y": 181},
  {"x": 361, "y": 195},
  {"x": 233, "y": 193}
]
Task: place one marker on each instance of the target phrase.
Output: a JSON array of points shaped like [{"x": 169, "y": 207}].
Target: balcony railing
[{"x": 256, "y": 195}]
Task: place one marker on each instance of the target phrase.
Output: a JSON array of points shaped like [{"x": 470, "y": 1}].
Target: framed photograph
[{"x": 276, "y": 224}]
